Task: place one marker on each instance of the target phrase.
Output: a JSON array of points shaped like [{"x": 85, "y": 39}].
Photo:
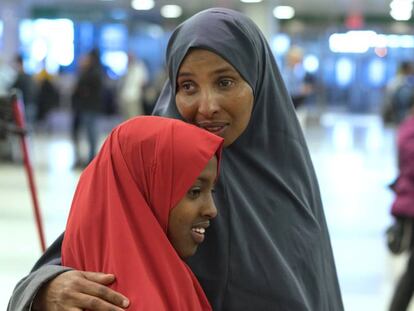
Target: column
[{"x": 262, "y": 14}]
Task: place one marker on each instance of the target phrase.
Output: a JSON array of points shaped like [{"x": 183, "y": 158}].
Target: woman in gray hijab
[{"x": 269, "y": 249}]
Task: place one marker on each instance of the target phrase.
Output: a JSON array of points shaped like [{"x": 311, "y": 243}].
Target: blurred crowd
[{"x": 88, "y": 95}]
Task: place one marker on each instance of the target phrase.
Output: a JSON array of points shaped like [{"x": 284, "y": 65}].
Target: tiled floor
[{"x": 354, "y": 160}]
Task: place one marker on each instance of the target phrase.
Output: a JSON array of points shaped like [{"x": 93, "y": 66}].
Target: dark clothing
[
  {"x": 405, "y": 287},
  {"x": 402, "y": 99},
  {"x": 269, "y": 249},
  {"x": 25, "y": 84},
  {"x": 87, "y": 104},
  {"x": 47, "y": 98},
  {"x": 89, "y": 91}
]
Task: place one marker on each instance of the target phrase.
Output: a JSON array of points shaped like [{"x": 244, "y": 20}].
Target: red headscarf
[{"x": 119, "y": 215}]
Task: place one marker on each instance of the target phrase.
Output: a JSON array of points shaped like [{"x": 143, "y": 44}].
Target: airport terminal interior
[{"x": 338, "y": 59}]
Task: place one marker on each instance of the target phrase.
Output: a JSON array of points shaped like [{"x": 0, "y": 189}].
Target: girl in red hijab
[{"x": 142, "y": 206}]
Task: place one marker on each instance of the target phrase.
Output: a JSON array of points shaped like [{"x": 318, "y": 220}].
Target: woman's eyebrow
[{"x": 225, "y": 69}]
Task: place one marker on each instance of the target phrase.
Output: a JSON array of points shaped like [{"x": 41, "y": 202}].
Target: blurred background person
[
  {"x": 397, "y": 94},
  {"x": 153, "y": 89},
  {"x": 7, "y": 76},
  {"x": 25, "y": 84},
  {"x": 130, "y": 97},
  {"x": 87, "y": 104},
  {"x": 47, "y": 97},
  {"x": 403, "y": 205},
  {"x": 298, "y": 82}
]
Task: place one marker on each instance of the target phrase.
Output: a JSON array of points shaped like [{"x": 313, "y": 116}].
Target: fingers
[
  {"x": 92, "y": 288},
  {"x": 95, "y": 304},
  {"x": 98, "y": 277},
  {"x": 77, "y": 290}
]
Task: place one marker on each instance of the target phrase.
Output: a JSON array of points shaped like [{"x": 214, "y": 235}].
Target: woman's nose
[{"x": 208, "y": 104}]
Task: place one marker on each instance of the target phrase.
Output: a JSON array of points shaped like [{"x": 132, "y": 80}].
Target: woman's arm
[{"x": 51, "y": 287}]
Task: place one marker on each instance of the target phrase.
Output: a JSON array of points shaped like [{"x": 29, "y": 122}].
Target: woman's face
[
  {"x": 190, "y": 218},
  {"x": 212, "y": 95}
]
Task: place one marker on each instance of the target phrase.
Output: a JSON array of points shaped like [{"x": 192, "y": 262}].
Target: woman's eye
[{"x": 225, "y": 83}]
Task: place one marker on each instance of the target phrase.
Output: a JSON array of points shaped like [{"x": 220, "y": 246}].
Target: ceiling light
[
  {"x": 400, "y": 15},
  {"x": 171, "y": 11},
  {"x": 251, "y": 1},
  {"x": 283, "y": 12},
  {"x": 401, "y": 9},
  {"x": 142, "y": 4},
  {"x": 401, "y": 5}
]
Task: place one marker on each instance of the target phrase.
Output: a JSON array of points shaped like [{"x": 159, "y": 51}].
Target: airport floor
[{"x": 354, "y": 158}]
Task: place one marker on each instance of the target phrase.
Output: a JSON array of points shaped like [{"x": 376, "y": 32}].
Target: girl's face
[
  {"x": 211, "y": 94},
  {"x": 190, "y": 218}
]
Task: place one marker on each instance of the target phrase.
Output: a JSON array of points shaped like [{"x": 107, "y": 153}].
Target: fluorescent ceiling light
[
  {"x": 400, "y": 15},
  {"x": 401, "y": 5},
  {"x": 171, "y": 11},
  {"x": 352, "y": 41},
  {"x": 361, "y": 41},
  {"x": 251, "y": 1},
  {"x": 283, "y": 12},
  {"x": 401, "y": 9},
  {"x": 142, "y": 4}
]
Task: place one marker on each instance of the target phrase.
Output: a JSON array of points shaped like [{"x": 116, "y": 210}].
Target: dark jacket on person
[
  {"x": 47, "y": 98},
  {"x": 25, "y": 84},
  {"x": 89, "y": 90}
]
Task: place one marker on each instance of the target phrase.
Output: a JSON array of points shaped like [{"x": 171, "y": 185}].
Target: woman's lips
[{"x": 217, "y": 128}]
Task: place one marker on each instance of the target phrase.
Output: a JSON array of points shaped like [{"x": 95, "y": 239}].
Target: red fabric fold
[{"x": 119, "y": 215}]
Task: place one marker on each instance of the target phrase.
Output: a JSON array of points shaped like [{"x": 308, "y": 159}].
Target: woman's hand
[{"x": 79, "y": 290}]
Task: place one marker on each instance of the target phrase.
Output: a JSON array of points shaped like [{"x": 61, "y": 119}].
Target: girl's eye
[
  {"x": 186, "y": 86},
  {"x": 194, "y": 193}
]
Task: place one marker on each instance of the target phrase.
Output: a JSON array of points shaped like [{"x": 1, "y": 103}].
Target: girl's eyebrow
[
  {"x": 205, "y": 180},
  {"x": 185, "y": 74}
]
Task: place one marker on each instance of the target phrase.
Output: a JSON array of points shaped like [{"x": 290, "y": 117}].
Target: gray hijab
[{"x": 269, "y": 249}]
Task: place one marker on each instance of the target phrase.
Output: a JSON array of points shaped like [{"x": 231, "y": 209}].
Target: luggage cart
[{"x": 12, "y": 122}]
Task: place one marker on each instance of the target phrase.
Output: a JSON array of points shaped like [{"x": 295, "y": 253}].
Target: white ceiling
[{"x": 302, "y": 7}]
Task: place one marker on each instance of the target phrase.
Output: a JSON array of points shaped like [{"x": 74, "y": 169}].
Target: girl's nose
[{"x": 210, "y": 209}]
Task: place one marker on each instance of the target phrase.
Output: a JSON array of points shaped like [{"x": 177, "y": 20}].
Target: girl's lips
[
  {"x": 198, "y": 231},
  {"x": 197, "y": 237}
]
